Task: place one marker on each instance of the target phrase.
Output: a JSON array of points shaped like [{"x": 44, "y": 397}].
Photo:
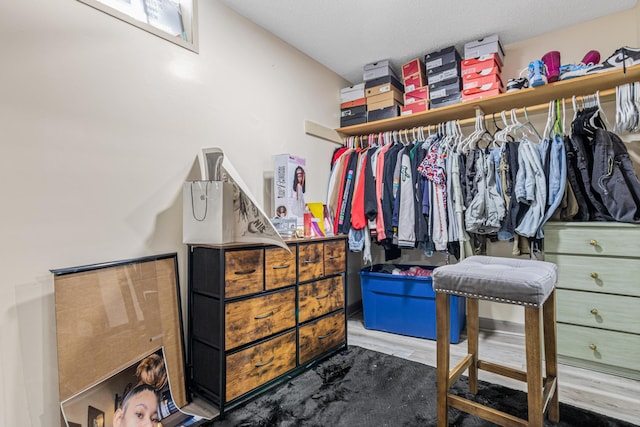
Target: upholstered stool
[{"x": 528, "y": 283}]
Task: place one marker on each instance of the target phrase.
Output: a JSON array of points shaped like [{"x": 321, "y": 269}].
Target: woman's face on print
[{"x": 140, "y": 411}]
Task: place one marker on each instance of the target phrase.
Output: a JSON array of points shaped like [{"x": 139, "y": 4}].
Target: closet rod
[{"x": 533, "y": 109}]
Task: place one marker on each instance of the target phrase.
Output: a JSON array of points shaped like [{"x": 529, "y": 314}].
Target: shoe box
[
  {"x": 383, "y": 113},
  {"x": 352, "y": 120},
  {"x": 381, "y": 85},
  {"x": 489, "y": 82},
  {"x": 415, "y": 81},
  {"x": 419, "y": 94},
  {"x": 442, "y": 57},
  {"x": 484, "y": 46},
  {"x": 374, "y": 70},
  {"x": 482, "y": 66},
  {"x": 481, "y": 76},
  {"x": 352, "y": 93},
  {"x": 445, "y": 88},
  {"x": 415, "y": 107},
  {"x": 443, "y": 76},
  {"x": 454, "y": 98}
]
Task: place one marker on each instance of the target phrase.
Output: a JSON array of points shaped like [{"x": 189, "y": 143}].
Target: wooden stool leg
[
  {"x": 472, "y": 343},
  {"x": 442, "y": 349},
  {"x": 534, "y": 365},
  {"x": 550, "y": 353}
]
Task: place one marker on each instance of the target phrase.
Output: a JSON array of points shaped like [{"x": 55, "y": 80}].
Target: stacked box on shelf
[
  {"x": 444, "y": 77},
  {"x": 383, "y": 91},
  {"x": 416, "y": 91},
  {"x": 353, "y": 105},
  {"x": 481, "y": 68}
]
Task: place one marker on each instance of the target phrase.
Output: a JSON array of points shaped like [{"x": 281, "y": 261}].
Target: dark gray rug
[{"x": 360, "y": 387}]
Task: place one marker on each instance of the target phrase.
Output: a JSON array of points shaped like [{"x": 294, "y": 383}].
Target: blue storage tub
[{"x": 405, "y": 304}]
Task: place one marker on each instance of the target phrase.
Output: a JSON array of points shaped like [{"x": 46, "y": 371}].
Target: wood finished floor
[{"x": 610, "y": 395}]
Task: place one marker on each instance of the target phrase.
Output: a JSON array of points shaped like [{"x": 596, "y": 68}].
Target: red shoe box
[
  {"x": 483, "y": 66},
  {"x": 484, "y": 88},
  {"x": 354, "y": 103},
  {"x": 412, "y": 67},
  {"x": 415, "y": 81},
  {"x": 419, "y": 94},
  {"x": 470, "y": 81},
  {"x": 479, "y": 95},
  {"x": 415, "y": 107}
]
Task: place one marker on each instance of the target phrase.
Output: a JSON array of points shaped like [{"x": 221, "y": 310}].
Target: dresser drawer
[
  {"x": 596, "y": 274},
  {"x": 321, "y": 336},
  {"x": 243, "y": 272},
  {"x": 334, "y": 257},
  {"x": 606, "y": 239},
  {"x": 598, "y": 345},
  {"x": 259, "y": 317},
  {"x": 310, "y": 261},
  {"x": 613, "y": 312},
  {"x": 280, "y": 268},
  {"x": 318, "y": 298},
  {"x": 259, "y": 364}
]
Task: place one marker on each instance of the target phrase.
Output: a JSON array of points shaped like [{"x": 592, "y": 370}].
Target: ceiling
[{"x": 344, "y": 35}]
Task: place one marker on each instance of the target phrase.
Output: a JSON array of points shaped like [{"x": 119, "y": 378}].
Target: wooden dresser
[
  {"x": 259, "y": 314},
  {"x": 598, "y": 294}
]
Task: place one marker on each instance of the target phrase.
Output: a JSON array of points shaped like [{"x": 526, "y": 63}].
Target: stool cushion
[{"x": 507, "y": 280}]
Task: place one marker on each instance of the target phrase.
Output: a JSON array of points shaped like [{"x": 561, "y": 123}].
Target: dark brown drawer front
[
  {"x": 280, "y": 268},
  {"x": 259, "y": 317},
  {"x": 244, "y": 272},
  {"x": 334, "y": 257},
  {"x": 316, "y": 299},
  {"x": 256, "y": 365},
  {"x": 310, "y": 261},
  {"x": 320, "y": 336}
]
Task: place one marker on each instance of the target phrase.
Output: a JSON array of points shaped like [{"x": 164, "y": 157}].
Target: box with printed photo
[{"x": 289, "y": 186}]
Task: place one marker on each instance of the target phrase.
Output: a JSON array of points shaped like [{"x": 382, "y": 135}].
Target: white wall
[{"x": 101, "y": 123}]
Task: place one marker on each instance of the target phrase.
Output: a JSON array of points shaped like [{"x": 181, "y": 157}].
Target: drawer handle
[
  {"x": 593, "y": 347},
  {"x": 593, "y": 242},
  {"x": 594, "y": 275},
  {"x": 310, "y": 261},
  {"x": 253, "y": 270},
  {"x": 264, "y": 363},
  {"x": 264, "y": 316},
  {"x": 323, "y": 296},
  {"x": 594, "y": 311},
  {"x": 334, "y": 256},
  {"x": 278, "y": 267},
  {"x": 321, "y": 337}
]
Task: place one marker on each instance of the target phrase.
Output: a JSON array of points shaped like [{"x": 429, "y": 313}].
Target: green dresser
[{"x": 598, "y": 294}]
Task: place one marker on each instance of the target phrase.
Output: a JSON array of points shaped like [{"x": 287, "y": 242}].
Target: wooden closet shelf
[{"x": 580, "y": 86}]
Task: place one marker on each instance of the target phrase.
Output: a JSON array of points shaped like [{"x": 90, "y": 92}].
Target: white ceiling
[{"x": 346, "y": 34}]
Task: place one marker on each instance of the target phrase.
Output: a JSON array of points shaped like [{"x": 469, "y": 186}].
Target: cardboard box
[
  {"x": 441, "y": 57},
  {"x": 357, "y": 119},
  {"x": 391, "y": 93},
  {"x": 445, "y": 88},
  {"x": 352, "y": 93},
  {"x": 345, "y": 112},
  {"x": 415, "y": 66},
  {"x": 470, "y": 81},
  {"x": 415, "y": 81},
  {"x": 484, "y": 46},
  {"x": 415, "y": 107},
  {"x": 317, "y": 219},
  {"x": 478, "y": 67},
  {"x": 383, "y": 113},
  {"x": 452, "y": 99},
  {"x": 420, "y": 94},
  {"x": 354, "y": 103},
  {"x": 289, "y": 186},
  {"x": 384, "y": 103},
  {"x": 484, "y": 88},
  {"x": 381, "y": 81},
  {"x": 482, "y": 94},
  {"x": 374, "y": 70},
  {"x": 405, "y": 304},
  {"x": 445, "y": 72}
]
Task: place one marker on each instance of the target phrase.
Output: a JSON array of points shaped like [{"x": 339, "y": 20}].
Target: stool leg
[
  {"x": 550, "y": 352},
  {"x": 534, "y": 365},
  {"x": 442, "y": 355},
  {"x": 472, "y": 343}
]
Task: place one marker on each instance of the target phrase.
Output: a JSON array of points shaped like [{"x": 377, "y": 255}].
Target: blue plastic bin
[{"x": 405, "y": 304}]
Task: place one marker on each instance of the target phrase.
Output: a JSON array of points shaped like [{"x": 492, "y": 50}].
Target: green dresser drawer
[
  {"x": 592, "y": 238},
  {"x": 600, "y": 346},
  {"x": 615, "y": 312},
  {"x": 594, "y": 274}
]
